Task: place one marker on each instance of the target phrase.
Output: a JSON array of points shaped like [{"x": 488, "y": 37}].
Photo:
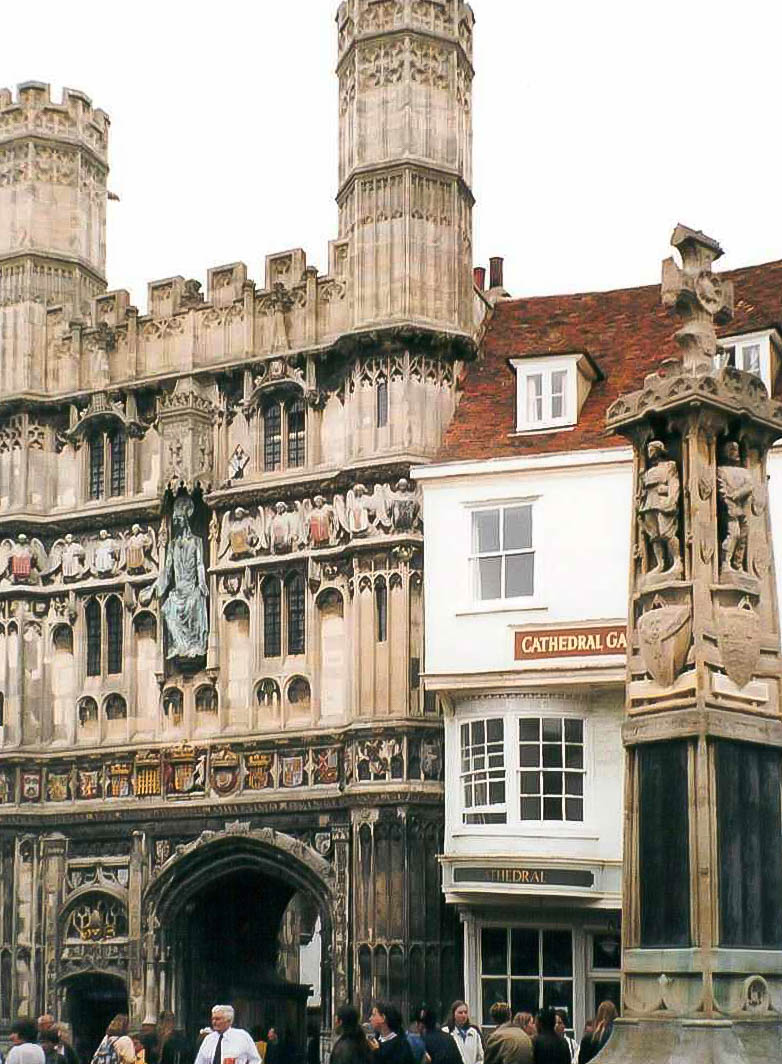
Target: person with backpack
[{"x": 116, "y": 1047}]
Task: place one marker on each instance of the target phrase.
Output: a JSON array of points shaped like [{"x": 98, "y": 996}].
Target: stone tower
[
  {"x": 405, "y": 147},
  {"x": 53, "y": 167},
  {"x": 703, "y": 730}
]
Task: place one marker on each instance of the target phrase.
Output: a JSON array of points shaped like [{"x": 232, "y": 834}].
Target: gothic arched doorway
[
  {"x": 91, "y": 1000},
  {"x": 237, "y": 917}
]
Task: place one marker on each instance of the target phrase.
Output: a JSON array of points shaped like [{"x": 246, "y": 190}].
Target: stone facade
[{"x": 211, "y": 557}]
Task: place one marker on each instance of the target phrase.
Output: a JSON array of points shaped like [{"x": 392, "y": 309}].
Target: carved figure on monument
[
  {"x": 404, "y": 506},
  {"x": 239, "y": 537},
  {"x": 182, "y": 587},
  {"x": 237, "y": 463},
  {"x": 320, "y": 522},
  {"x": 362, "y": 513},
  {"x": 139, "y": 550},
  {"x": 67, "y": 556},
  {"x": 22, "y": 559},
  {"x": 658, "y": 509},
  {"x": 105, "y": 555},
  {"x": 735, "y": 491},
  {"x": 282, "y": 529}
]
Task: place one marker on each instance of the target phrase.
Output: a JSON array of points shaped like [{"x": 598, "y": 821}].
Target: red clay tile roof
[{"x": 627, "y": 332}]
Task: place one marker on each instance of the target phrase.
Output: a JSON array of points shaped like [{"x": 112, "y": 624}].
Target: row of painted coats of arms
[{"x": 279, "y": 530}]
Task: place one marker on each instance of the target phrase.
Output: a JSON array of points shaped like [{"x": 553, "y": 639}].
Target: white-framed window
[
  {"x": 551, "y": 389},
  {"x": 529, "y": 967},
  {"x": 483, "y": 777},
  {"x": 551, "y": 768},
  {"x": 603, "y": 969},
  {"x": 503, "y": 557},
  {"x": 754, "y": 353}
]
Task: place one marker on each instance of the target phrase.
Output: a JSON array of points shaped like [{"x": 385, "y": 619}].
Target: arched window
[
  {"x": 88, "y": 711},
  {"x": 295, "y": 600},
  {"x": 272, "y": 618},
  {"x": 272, "y": 438},
  {"x": 97, "y": 467},
  {"x": 381, "y": 410},
  {"x": 173, "y": 704},
  {"x": 117, "y": 462},
  {"x": 92, "y": 619},
  {"x": 206, "y": 700},
  {"x": 115, "y": 708},
  {"x": 299, "y": 693},
  {"x": 268, "y": 694},
  {"x": 381, "y": 611},
  {"x": 296, "y": 433},
  {"x": 113, "y": 635}
]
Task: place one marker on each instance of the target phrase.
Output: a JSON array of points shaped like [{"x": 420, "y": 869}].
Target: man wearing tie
[{"x": 227, "y": 1044}]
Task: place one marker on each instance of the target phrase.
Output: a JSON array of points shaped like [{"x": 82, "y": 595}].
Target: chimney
[
  {"x": 495, "y": 272},
  {"x": 479, "y": 277}
]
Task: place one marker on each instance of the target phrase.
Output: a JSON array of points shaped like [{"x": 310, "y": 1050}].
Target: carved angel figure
[
  {"x": 68, "y": 557},
  {"x": 404, "y": 505},
  {"x": 736, "y": 491},
  {"x": 22, "y": 560},
  {"x": 106, "y": 555},
  {"x": 361, "y": 514},
  {"x": 282, "y": 529},
  {"x": 140, "y": 550},
  {"x": 239, "y": 537},
  {"x": 319, "y": 522}
]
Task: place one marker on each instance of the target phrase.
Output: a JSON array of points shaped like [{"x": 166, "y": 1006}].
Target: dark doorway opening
[
  {"x": 92, "y": 999},
  {"x": 237, "y": 942}
]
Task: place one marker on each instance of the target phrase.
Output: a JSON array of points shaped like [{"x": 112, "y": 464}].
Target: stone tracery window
[
  {"x": 296, "y": 605},
  {"x": 272, "y": 617},
  {"x": 107, "y": 464},
  {"x": 284, "y": 420},
  {"x": 206, "y": 699},
  {"x": 113, "y": 635},
  {"x": 92, "y": 621},
  {"x": 115, "y": 708},
  {"x": 96, "y": 918}
]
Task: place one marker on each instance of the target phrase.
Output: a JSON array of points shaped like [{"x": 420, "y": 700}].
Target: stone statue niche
[{"x": 181, "y": 586}]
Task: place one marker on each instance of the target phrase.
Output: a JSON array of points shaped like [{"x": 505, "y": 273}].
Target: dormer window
[
  {"x": 756, "y": 353},
  {"x": 551, "y": 389}
]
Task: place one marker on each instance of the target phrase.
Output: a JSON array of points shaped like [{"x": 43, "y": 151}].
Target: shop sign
[
  {"x": 525, "y": 877},
  {"x": 570, "y": 642}
]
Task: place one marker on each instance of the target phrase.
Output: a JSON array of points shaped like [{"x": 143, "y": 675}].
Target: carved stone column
[
  {"x": 53, "y": 854},
  {"x": 136, "y": 878},
  {"x": 703, "y": 725},
  {"x": 340, "y": 837}
]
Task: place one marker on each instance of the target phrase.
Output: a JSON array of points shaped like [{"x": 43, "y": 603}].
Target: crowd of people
[{"x": 384, "y": 1039}]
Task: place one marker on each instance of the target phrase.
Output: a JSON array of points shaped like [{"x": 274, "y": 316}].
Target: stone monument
[{"x": 702, "y": 960}]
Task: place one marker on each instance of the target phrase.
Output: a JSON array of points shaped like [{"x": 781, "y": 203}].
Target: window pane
[
  {"x": 574, "y": 757},
  {"x": 530, "y": 783},
  {"x": 494, "y": 730},
  {"x": 574, "y": 809},
  {"x": 382, "y": 404},
  {"x": 552, "y": 783},
  {"x": 524, "y": 958},
  {"x": 534, "y": 397},
  {"x": 517, "y": 527},
  {"x": 608, "y": 990},
  {"x": 519, "y": 575},
  {"x": 272, "y": 438},
  {"x": 493, "y": 990},
  {"x": 552, "y": 756},
  {"x": 92, "y": 618},
  {"x": 530, "y": 808},
  {"x": 489, "y": 578},
  {"x": 574, "y": 731},
  {"x": 478, "y": 731},
  {"x": 494, "y": 950},
  {"x": 486, "y": 531},
  {"x": 296, "y": 433},
  {"x": 381, "y": 612},
  {"x": 524, "y": 995},
  {"x": 117, "y": 460},
  {"x": 96, "y": 467},
  {"x": 558, "y": 995},
  {"x": 751, "y": 353},
  {"x": 529, "y": 729},
  {"x": 557, "y": 953},
  {"x": 113, "y": 636},
  {"x": 496, "y": 792},
  {"x": 552, "y": 808},
  {"x": 272, "y": 619},
  {"x": 295, "y": 591},
  {"x": 529, "y": 756},
  {"x": 607, "y": 950},
  {"x": 574, "y": 783},
  {"x": 558, "y": 381},
  {"x": 552, "y": 730}
]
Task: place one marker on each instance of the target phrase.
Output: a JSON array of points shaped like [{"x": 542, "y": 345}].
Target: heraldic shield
[
  {"x": 664, "y": 634},
  {"x": 738, "y": 632}
]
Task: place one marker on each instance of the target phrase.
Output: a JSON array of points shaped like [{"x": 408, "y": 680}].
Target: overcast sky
[{"x": 598, "y": 126}]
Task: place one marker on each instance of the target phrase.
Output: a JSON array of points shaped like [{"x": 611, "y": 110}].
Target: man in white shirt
[
  {"x": 225, "y": 1043},
  {"x": 24, "y": 1049}
]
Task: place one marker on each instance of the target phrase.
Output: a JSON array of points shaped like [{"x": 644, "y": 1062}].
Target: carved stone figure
[
  {"x": 321, "y": 523},
  {"x": 735, "y": 491},
  {"x": 182, "y": 586},
  {"x": 138, "y": 549},
  {"x": 68, "y": 556},
  {"x": 658, "y": 509},
  {"x": 237, "y": 463},
  {"x": 22, "y": 559},
  {"x": 240, "y": 537},
  {"x": 404, "y": 506},
  {"x": 362, "y": 513},
  {"x": 105, "y": 555},
  {"x": 281, "y": 530}
]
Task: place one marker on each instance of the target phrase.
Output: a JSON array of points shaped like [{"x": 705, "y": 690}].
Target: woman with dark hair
[
  {"x": 351, "y": 1046},
  {"x": 548, "y": 1047},
  {"x": 591, "y": 1044},
  {"x": 392, "y": 1046},
  {"x": 465, "y": 1034}
]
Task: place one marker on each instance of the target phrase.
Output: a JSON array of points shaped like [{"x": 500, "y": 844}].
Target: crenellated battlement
[{"x": 33, "y": 112}]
